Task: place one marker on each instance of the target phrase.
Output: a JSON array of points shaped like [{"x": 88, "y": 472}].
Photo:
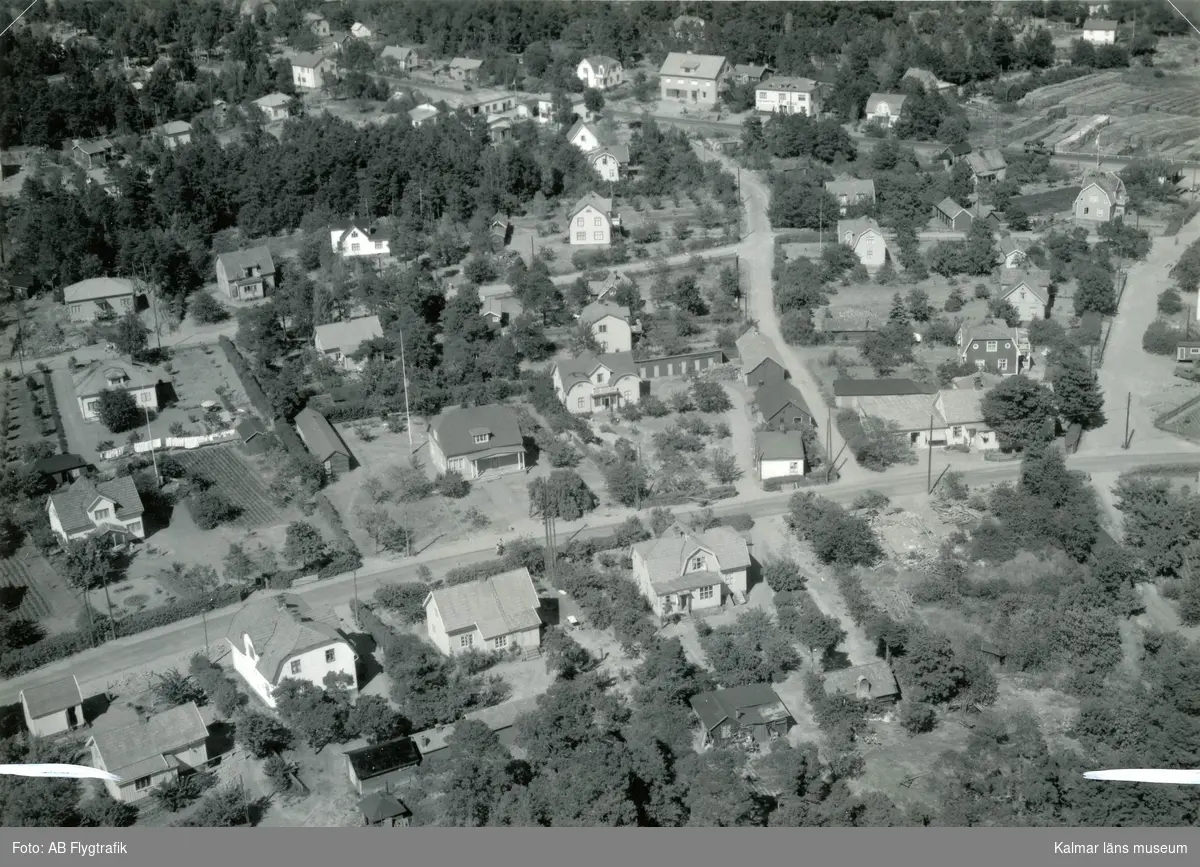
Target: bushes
[
  {"x": 254, "y": 393},
  {"x": 220, "y": 691},
  {"x": 176, "y": 794},
  {"x": 836, "y": 536},
  {"x": 407, "y": 600},
  {"x": 341, "y": 538},
  {"x": 451, "y": 484},
  {"x": 1160, "y": 338},
  {"x": 210, "y": 509}
]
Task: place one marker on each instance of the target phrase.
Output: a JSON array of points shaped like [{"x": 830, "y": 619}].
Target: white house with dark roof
[
  {"x": 1101, "y": 199},
  {"x": 695, "y": 79},
  {"x": 1099, "y": 31},
  {"x": 99, "y": 297},
  {"x": 608, "y": 160},
  {"x": 280, "y": 637},
  {"x": 244, "y": 275},
  {"x": 952, "y": 417},
  {"x": 779, "y": 454},
  {"x": 1012, "y": 252},
  {"x": 786, "y": 94},
  {"x": 1027, "y": 290},
  {"x": 610, "y": 325},
  {"x": 310, "y": 70},
  {"x": 885, "y": 108},
  {"x": 600, "y": 72},
  {"x": 173, "y": 133},
  {"x": 340, "y": 341},
  {"x": 590, "y": 222},
  {"x": 53, "y": 708},
  {"x": 596, "y": 383},
  {"x": 274, "y": 106},
  {"x": 90, "y": 508},
  {"x": 584, "y": 136},
  {"x": 92, "y": 380},
  {"x": 682, "y": 572},
  {"x": 148, "y": 753},
  {"x": 477, "y": 441},
  {"x": 851, "y": 192},
  {"x": 354, "y": 238},
  {"x": 490, "y": 614},
  {"x": 865, "y": 238}
]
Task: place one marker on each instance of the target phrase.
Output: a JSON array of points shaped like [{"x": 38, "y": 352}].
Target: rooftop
[
  {"x": 59, "y": 464},
  {"x": 96, "y": 288},
  {"x": 273, "y": 100},
  {"x": 849, "y": 231},
  {"x": 666, "y": 558},
  {"x": 893, "y": 101},
  {"x": 774, "y": 396},
  {"x": 597, "y": 201},
  {"x": 499, "y": 605},
  {"x": 597, "y": 310},
  {"x": 754, "y": 348},
  {"x": 961, "y": 406},
  {"x": 453, "y": 431},
  {"x": 383, "y": 758},
  {"x": 696, "y": 65},
  {"x": 617, "y": 363},
  {"x": 851, "y": 187},
  {"x": 47, "y": 698},
  {"x": 876, "y": 677},
  {"x": 241, "y": 263},
  {"x": 1099, "y": 24},
  {"x": 308, "y": 60},
  {"x": 175, "y": 127},
  {"x": 72, "y": 505},
  {"x": 319, "y": 435},
  {"x": 349, "y": 334},
  {"x": 788, "y": 83},
  {"x": 877, "y": 387},
  {"x": 778, "y": 445},
  {"x": 753, "y": 704},
  {"x": 139, "y": 749},
  {"x": 280, "y": 627},
  {"x": 909, "y": 412}
]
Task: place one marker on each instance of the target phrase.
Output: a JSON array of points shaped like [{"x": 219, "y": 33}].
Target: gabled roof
[
  {"x": 349, "y": 334},
  {"x": 377, "y": 759},
  {"x": 309, "y": 60},
  {"x": 927, "y": 78},
  {"x": 988, "y": 329},
  {"x": 466, "y": 63},
  {"x": 142, "y": 748},
  {"x": 788, "y": 84},
  {"x": 986, "y": 161},
  {"x": 380, "y": 806},
  {"x": 894, "y": 102},
  {"x": 398, "y": 52},
  {"x": 908, "y": 412},
  {"x": 950, "y": 208},
  {"x": 499, "y": 306},
  {"x": 961, "y": 406},
  {"x": 455, "y": 431},
  {"x": 666, "y": 558},
  {"x": 1099, "y": 24},
  {"x": 754, "y": 348},
  {"x": 753, "y": 704},
  {"x": 249, "y": 427},
  {"x": 273, "y": 100},
  {"x": 72, "y": 504},
  {"x": 175, "y": 127},
  {"x": 1037, "y": 281},
  {"x": 600, "y": 203},
  {"x": 751, "y": 70},
  {"x": 618, "y": 364},
  {"x": 47, "y": 698},
  {"x": 774, "y": 396},
  {"x": 499, "y": 605},
  {"x": 956, "y": 150},
  {"x": 98, "y": 146},
  {"x": 423, "y": 112},
  {"x": 694, "y": 65},
  {"x": 1008, "y": 245},
  {"x": 772, "y": 445},
  {"x": 580, "y": 125},
  {"x": 597, "y": 310},
  {"x": 96, "y": 288},
  {"x": 851, "y": 187},
  {"x": 59, "y": 464},
  {"x": 877, "y": 387},
  {"x": 281, "y": 627},
  {"x": 237, "y": 262},
  {"x": 610, "y": 283},
  {"x": 596, "y": 61},
  {"x": 1112, "y": 185},
  {"x": 319, "y": 435},
  {"x": 856, "y": 228},
  {"x": 619, "y": 152},
  {"x": 878, "y": 675},
  {"x": 99, "y": 376}
]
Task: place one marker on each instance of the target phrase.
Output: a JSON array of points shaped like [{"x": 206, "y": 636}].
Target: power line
[
  {"x": 34, "y": 3},
  {"x": 1184, "y": 17}
]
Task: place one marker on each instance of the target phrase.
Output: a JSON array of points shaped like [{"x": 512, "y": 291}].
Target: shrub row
[
  {"x": 220, "y": 691},
  {"x": 289, "y": 439},
  {"x": 486, "y": 569},
  {"x": 342, "y": 540},
  {"x": 254, "y": 392},
  {"x": 341, "y": 563},
  {"x": 54, "y": 413},
  {"x": 351, "y": 410}
]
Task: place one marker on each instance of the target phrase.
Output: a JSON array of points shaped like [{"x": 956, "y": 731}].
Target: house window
[
  {"x": 579, "y": 403},
  {"x": 481, "y": 438},
  {"x": 957, "y": 431},
  {"x": 1085, "y": 210},
  {"x": 91, "y": 405},
  {"x": 705, "y": 593},
  {"x": 599, "y": 236},
  {"x": 600, "y": 378},
  {"x": 75, "y": 308},
  {"x": 295, "y": 667},
  {"x": 330, "y": 654},
  {"x": 354, "y": 248},
  {"x": 581, "y": 236},
  {"x": 141, "y": 783},
  {"x": 602, "y": 329},
  {"x": 500, "y": 641},
  {"x": 1002, "y": 364},
  {"x": 135, "y": 527},
  {"x": 466, "y": 640},
  {"x": 794, "y": 468},
  {"x": 379, "y": 245},
  {"x": 991, "y": 345},
  {"x": 102, "y": 514},
  {"x": 599, "y": 221},
  {"x": 697, "y": 563},
  {"x": 579, "y": 222}
]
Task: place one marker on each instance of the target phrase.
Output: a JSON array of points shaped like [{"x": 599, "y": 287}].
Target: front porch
[{"x": 496, "y": 465}]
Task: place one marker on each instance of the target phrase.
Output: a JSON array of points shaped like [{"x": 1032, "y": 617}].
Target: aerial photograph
[{"x": 566, "y": 413}]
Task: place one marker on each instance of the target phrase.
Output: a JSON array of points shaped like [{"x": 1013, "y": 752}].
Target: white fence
[{"x": 169, "y": 443}]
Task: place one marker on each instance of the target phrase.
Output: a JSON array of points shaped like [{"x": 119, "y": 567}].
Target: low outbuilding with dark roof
[
  {"x": 60, "y": 468},
  {"x": 148, "y": 753},
  {"x": 323, "y": 441},
  {"x": 376, "y": 767},
  {"x": 477, "y": 441},
  {"x": 53, "y": 708},
  {"x": 782, "y": 406},
  {"x": 846, "y": 392},
  {"x": 751, "y": 714}
]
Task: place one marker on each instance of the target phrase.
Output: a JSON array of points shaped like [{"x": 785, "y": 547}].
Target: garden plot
[{"x": 233, "y": 476}]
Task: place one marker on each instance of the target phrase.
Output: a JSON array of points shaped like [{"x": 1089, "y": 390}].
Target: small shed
[
  {"x": 379, "y": 765},
  {"x": 323, "y": 441},
  {"x": 383, "y": 806},
  {"x": 874, "y": 683},
  {"x": 53, "y": 708},
  {"x": 60, "y": 468},
  {"x": 253, "y": 435}
]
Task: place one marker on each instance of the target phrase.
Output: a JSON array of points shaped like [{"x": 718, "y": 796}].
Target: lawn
[
  {"x": 28, "y": 413},
  {"x": 198, "y": 374},
  {"x": 1047, "y": 203},
  {"x": 32, "y": 590}
]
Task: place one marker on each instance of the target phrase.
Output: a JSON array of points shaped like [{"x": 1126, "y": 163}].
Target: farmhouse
[
  {"x": 693, "y": 78},
  {"x": 846, "y": 392},
  {"x": 610, "y": 325},
  {"x": 600, "y": 72},
  {"x": 1102, "y": 199},
  {"x": 92, "y": 380},
  {"x": 584, "y": 136},
  {"x": 490, "y": 614},
  {"x": 873, "y": 683},
  {"x": 86, "y": 509},
  {"x": 991, "y": 346},
  {"x": 53, "y": 708},
  {"x": 851, "y": 193},
  {"x": 351, "y": 238},
  {"x": 591, "y": 221},
  {"x": 1027, "y": 290},
  {"x": 607, "y": 161},
  {"x": 595, "y": 383},
  {"x": 760, "y": 359},
  {"x": 987, "y": 164},
  {"x": 477, "y": 441},
  {"x": 274, "y": 106},
  {"x": 682, "y": 572},
  {"x": 464, "y": 69},
  {"x": 322, "y": 440},
  {"x": 741, "y": 715},
  {"x": 865, "y": 238},
  {"x": 99, "y": 298},
  {"x": 782, "y": 406},
  {"x": 281, "y": 637},
  {"x": 173, "y": 133},
  {"x": 309, "y": 71},
  {"x": 423, "y": 114},
  {"x": 1012, "y": 254},
  {"x": 782, "y": 94},
  {"x": 779, "y": 454},
  {"x": 951, "y": 215},
  {"x": 382, "y": 765},
  {"x": 340, "y": 342},
  {"x": 885, "y": 108},
  {"x": 246, "y": 274},
  {"x": 1099, "y": 31},
  {"x": 401, "y": 57},
  {"x": 148, "y": 753}
]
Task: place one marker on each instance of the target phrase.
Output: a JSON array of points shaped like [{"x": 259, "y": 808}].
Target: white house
[
  {"x": 477, "y": 441},
  {"x": 278, "y": 637},
  {"x": 865, "y": 238},
  {"x": 696, "y": 79},
  {"x": 682, "y": 572},
  {"x": 595, "y": 383},
  {"x": 402, "y": 57},
  {"x": 885, "y": 108},
  {"x": 591, "y": 221},
  {"x": 353, "y": 238},
  {"x": 1099, "y": 31},
  {"x": 92, "y": 380},
  {"x": 600, "y": 72},
  {"x": 53, "y": 708},
  {"x": 785, "y": 94},
  {"x": 97, "y": 508},
  {"x": 274, "y": 106},
  {"x": 339, "y": 341},
  {"x": 1012, "y": 254},
  {"x": 607, "y": 160},
  {"x": 851, "y": 192},
  {"x": 490, "y": 614},
  {"x": 584, "y": 136},
  {"x": 610, "y": 325},
  {"x": 360, "y": 31},
  {"x": 1027, "y": 290},
  {"x": 148, "y": 753},
  {"x": 423, "y": 114},
  {"x": 174, "y": 133},
  {"x": 954, "y": 418},
  {"x": 779, "y": 454},
  {"x": 309, "y": 70}
]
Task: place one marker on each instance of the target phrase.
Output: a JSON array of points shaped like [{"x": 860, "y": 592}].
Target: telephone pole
[
  {"x": 404, "y": 376},
  {"x": 1128, "y": 403},
  {"x": 929, "y": 472}
]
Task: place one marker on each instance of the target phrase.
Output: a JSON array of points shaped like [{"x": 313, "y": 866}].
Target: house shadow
[
  {"x": 550, "y": 610},
  {"x": 532, "y": 452},
  {"x": 165, "y": 394},
  {"x": 368, "y": 667},
  {"x": 220, "y": 739},
  {"x": 754, "y": 575},
  {"x": 95, "y": 706}
]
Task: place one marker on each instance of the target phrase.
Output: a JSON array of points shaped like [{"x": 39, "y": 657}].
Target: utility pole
[
  {"x": 204, "y": 620},
  {"x": 1098, "y": 136},
  {"x": 356, "y": 623},
  {"x": 1128, "y": 402},
  {"x": 929, "y": 472},
  {"x": 404, "y": 376},
  {"x": 828, "y": 433},
  {"x": 150, "y": 439},
  {"x": 821, "y": 219},
  {"x": 112, "y": 621},
  {"x": 639, "y": 477}
]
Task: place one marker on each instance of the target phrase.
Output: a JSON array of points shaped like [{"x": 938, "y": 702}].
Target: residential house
[
  {"x": 173, "y": 133},
  {"x": 322, "y": 441},
  {"x": 318, "y": 24},
  {"x": 610, "y": 325},
  {"x": 423, "y": 114},
  {"x": 986, "y": 214},
  {"x": 987, "y": 164},
  {"x": 1187, "y": 351},
  {"x": 477, "y": 441},
  {"x": 1012, "y": 253},
  {"x": 743, "y": 715},
  {"x": 487, "y": 103},
  {"x": 279, "y": 637},
  {"x": 846, "y": 392},
  {"x": 360, "y": 31},
  {"x": 92, "y": 380},
  {"x": 591, "y": 221},
  {"x": 784, "y": 94},
  {"x": 53, "y": 708},
  {"x": 594, "y": 383},
  {"x": 377, "y": 767},
  {"x": 94, "y": 154},
  {"x": 1099, "y": 31},
  {"x": 310, "y": 70},
  {"x": 99, "y": 298},
  {"x": 1102, "y": 198},
  {"x": 602, "y": 289},
  {"x": 403, "y": 58},
  {"x": 687, "y": 27},
  {"x": 97, "y": 508},
  {"x": 760, "y": 359},
  {"x": 59, "y": 469},
  {"x": 274, "y": 106},
  {"x": 338, "y": 40},
  {"x": 961, "y": 412},
  {"x": 865, "y": 238},
  {"x": 749, "y": 73},
  {"x": 501, "y": 310},
  {"x": 927, "y": 79},
  {"x": 991, "y": 346},
  {"x": 953, "y": 216},
  {"x": 953, "y": 155},
  {"x": 499, "y": 130},
  {"x": 607, "y": 160},
  {"x": 1027, "y": 290},
  {"x": 500, "y": 229},
  {"x": 354, "y": 237},
  {"x": 873, "y": 683},
  {"x": 246, "y": 274},
  {"x": 782, "y": 406},
  {"x": 584, "y": 136},
  {"x": 148, "y": 753},
  {"x": 490, "y": 614},
  {"x": 885, "y": 108},
  {"x": 464, "y": 69},
  {"x": 693, "y": 78},
  {"x": 953, "y": 417},
  {"x": 340, "y": 341},
  {"x": 779, "y": 454},
  {"x": 600, "y": 72},
  {"x": 682, "y": 572},
  {"x": 851, "y": 193}
]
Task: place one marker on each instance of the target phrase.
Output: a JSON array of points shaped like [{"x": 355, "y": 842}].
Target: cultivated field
[{"x": 232, "y": 475}]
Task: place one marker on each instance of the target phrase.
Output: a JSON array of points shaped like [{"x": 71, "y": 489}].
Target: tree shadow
[
  {"x": 96, "y": 706},
  {"x": 834, "y": 660},
  {"x": 12, "y": 597},
  {"x": 532, "y": 452},
  {"x": 220, "y": 738},
  {"x": 12, "y": 720}
]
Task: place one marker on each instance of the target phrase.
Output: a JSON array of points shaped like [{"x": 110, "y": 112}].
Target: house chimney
[
  {"x": 863, "y": 689},
  {"x": 425, "y": 741}
]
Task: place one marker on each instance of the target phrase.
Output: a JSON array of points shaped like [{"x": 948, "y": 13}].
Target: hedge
[
  {"x": 329, "y": 512},
  {"x": 342, "y": 562},
  {"x": 380, "y": 632},
  {"x": 254, "y": 392},
  {"x": 54, "y": 413},
  {"x": 289, "y": 439},
  {"x": 476, "y": 571},
  {"x": 354, "y": 410}
]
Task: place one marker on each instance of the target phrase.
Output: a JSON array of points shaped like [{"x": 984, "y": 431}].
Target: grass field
[
  {"x": 233, "y": 476},
  {"x": 1047, "y": 203}
]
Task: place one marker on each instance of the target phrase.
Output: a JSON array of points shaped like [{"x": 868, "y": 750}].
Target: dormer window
[
  {"x": 480, "y": 435},
  {"x": 481, "y": 438},
  {"x": 698, "y": 563}
]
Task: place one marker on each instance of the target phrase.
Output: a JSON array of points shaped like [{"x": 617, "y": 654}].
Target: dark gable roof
[
  {"x": 281, "y": 627},
  {"x": 383, "y": 758},
  {"x": 774, "y": 396},
  {"x": 877, "y": 387},
  {"x": 753, "y": 704},
  {"x": 319, "y": 435},
  {"x": 72, "y": 504},
  {"x": 59, "y": 464},
  {"x": 380, "y": 806},
  {"x": 48, "y": 698},
  {"x": 250, "y": 427},
  {"x": 454, "y": 431}
]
